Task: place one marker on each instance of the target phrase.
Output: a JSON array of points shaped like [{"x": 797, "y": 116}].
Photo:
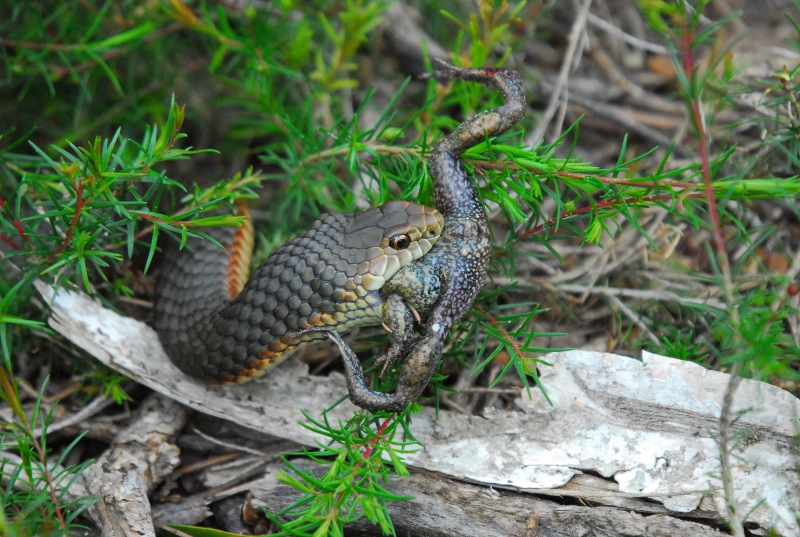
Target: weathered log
[
  {"x": 140, "y": 457},
  {"x": 445, "y": 507},
  {"x": 649, "y": 425}
]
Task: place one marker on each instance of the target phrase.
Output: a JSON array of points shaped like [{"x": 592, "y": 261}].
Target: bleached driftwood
[
  {"x": 647, "y": 425},
  {"x": 446, "y": 507}
]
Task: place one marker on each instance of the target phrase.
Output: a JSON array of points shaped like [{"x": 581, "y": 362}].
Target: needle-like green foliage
[
  {"x": 359, "y": 456},
  {"x": 85, "y": 188},
  {"x": 35, "y": 485}
]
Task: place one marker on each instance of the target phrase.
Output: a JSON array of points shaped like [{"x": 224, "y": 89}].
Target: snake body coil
[{"x": 219, "y": 329}]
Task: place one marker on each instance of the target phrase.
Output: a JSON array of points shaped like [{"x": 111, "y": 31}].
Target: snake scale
[{"x": 381, "y": 265}]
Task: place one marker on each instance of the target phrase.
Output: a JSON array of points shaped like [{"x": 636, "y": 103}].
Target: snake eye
[{"x": 400, "y": 242}]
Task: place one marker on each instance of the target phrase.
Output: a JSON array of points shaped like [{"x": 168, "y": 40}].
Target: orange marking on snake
[{"x": 239, "y": 253}]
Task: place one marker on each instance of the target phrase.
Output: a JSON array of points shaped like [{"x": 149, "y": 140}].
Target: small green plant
[
  {"x": 34, "y": 499},
  {"x": 68, "y": 217},
  {"x": 104, "y": 211},
  {"x": 748, "y": 334},
  {"x": 359, "y": 455},
  {"x": 491, "y": 27}
]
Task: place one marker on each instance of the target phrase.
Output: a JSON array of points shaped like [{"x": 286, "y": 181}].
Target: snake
[
  {"x": 384, "y": 265},
  {"x": 221, "y": 326}
]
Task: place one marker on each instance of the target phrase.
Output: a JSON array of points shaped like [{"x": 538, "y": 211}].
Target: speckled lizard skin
[{"x": 445, "y": 282}]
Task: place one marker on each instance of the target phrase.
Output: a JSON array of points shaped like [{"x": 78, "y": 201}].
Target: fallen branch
[{"x": 648, "y": 427}]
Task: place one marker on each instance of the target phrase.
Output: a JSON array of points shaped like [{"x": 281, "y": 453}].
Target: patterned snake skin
[{"x": 330, "y": 276}]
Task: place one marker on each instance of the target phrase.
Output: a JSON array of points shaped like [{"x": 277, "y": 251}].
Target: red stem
[
  {"x": 372, "y": 441},
  {"x": 146, "y": 231},
  {"x": 10, "y": 242},
  {"x": 602, "y": 205},
  {"x": 20, "y": 230},
  {"x": 151, "y": 218},
  {"x": 63, "y": 71},
  {"x": 698, "y": 118},
  {"x": 9, "y": 386},
  {"x": 583, "y": 176},
  {"x": 49, "y": 478},
  {"x": 79, "y": 205},
  {"x": 370, "y": 446},
  {"x": 16, "y": 224},
  {"x": 506, "y": 336}
]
